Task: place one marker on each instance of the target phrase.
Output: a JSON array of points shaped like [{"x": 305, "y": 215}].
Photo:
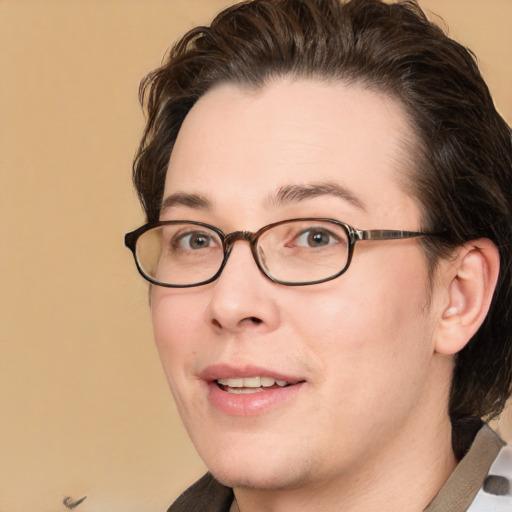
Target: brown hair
[{"x": 463, "y": 152}]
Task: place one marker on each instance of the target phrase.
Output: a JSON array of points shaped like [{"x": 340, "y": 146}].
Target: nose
[{"x": 242, "y": 298}]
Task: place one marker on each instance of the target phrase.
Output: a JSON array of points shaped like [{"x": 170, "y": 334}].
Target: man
[{"x": 328, "y": 194}]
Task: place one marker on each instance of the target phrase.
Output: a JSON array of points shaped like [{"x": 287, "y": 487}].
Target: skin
[{"x": 368, "y": 429}]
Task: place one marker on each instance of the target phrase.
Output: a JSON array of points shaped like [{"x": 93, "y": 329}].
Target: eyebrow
[
  {"x": 284, "y": 195},
  {"x": 296, "y": 193},
  {"x": 195, "y": 201}
]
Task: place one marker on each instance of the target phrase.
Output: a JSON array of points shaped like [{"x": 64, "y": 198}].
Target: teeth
[
  {"x": 244, "y": 391},
  {"x": 232, "y": 383},
  {"x": 252, "y": 382},
  {"x": 267, "y": 381}
]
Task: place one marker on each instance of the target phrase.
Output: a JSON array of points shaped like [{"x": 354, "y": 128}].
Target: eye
[
  {"x": 193, "y": 241},
  {"x": 316, "y": 237}
]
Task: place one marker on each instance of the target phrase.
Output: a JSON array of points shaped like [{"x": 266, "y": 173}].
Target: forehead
[{"x": 241, "y": 145}]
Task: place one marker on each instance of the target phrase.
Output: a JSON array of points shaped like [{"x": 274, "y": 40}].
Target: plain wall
[{"x": 84, "y": 406}]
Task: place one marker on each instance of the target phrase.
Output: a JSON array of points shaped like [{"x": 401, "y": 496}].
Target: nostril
[
  {"x": 248, "y": 320},
  {"x": 251, "y": 319}
]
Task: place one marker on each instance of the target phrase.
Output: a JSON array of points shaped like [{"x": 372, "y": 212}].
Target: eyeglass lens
[{"x": 298, "y": 251}]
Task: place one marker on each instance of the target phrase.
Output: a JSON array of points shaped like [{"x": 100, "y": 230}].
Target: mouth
[
  {"x": 248, "y": 385},
  {"x": 249, "y": 390}
]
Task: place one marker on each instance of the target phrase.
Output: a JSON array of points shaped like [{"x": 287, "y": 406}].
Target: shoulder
[
  {"x": 495, "y": 495},
  {"x": 480, "y": 480}
]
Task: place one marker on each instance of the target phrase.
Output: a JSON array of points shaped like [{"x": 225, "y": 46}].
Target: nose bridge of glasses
[{"x": 231, "y": 238}]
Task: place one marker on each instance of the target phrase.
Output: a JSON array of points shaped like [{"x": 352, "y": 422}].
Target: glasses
[{"x": 296, "y": 252}]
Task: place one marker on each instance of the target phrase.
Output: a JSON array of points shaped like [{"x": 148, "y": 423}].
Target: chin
[
  {"x": 258, "y": 468},
  {"x": 263, "y": 479}
]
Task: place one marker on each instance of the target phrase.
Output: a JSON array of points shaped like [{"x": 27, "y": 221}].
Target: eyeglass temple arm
[{"x": 387, "y": 234}]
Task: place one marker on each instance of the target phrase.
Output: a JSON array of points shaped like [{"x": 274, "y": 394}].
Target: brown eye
[
  {"x": 194, "y": 241},
  {"x": 316, "y": 237}
]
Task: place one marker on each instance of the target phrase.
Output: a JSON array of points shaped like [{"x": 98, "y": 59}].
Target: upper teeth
[{"x": 252, "y": 382}]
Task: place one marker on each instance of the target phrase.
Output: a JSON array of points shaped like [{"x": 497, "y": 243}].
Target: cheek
[
  {"x": 369, "y": 324},
  {"x": 374, "y": 350},
  {"x": 176, "y": 318}
]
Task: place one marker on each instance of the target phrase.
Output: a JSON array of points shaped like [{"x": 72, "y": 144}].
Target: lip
[
  {"x": 225, "y": 371},
  {"x": 252, "y": 404}
]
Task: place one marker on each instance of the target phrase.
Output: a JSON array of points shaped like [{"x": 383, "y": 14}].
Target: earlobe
[{"x": 471, "y": 281}]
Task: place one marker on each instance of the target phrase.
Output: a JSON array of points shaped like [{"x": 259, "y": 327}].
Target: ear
[{"x": 470, "y": 280}]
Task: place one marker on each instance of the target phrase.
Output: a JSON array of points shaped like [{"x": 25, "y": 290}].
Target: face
[{"x": 355, "y": 352}]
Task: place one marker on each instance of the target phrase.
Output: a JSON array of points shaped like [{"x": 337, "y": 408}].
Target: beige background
[{"x": 84, "y": 408}]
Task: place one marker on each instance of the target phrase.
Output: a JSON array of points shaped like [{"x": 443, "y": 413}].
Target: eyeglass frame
[{"x": 228, "y": 240}]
